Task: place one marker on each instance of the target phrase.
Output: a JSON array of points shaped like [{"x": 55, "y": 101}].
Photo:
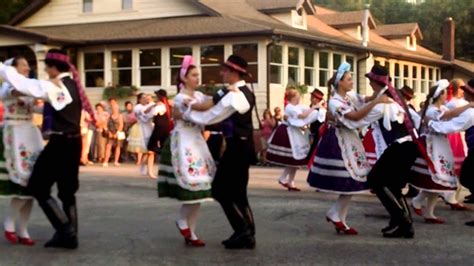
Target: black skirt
[{"x": 160, "y": 133}]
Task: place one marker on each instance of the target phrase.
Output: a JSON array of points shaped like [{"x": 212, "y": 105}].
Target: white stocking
[
  {"x": 25, "y": 212},
  {"x": 333, "y": 212},
  {"x": 183, "y": 216},
  {"x": 431, "y": 204},
  {"x": 291, "y": 176},
  {"x": 418, "y": 201},
  {"x": 12, "y": 211},
  {"x": 192, "y": 219},
  {"x": 344, "y": 201},
  {"x": 450, "y": 197},
  {"x": 283, "y": 178}
]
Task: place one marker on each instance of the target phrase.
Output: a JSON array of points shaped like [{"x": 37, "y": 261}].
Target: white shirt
[{"x": 460, "y": 123}]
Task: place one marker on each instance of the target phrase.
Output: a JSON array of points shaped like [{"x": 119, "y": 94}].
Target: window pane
[
  {"x": 430, "y": 73},
  {"x": 415, "y": 74},
  {"x": 405, "y": 71},
  {"x": 293, "y": 75},
  {"x": 438, "y": 76},
  {"x": 93, "y": 61},
  {"x": 87, "y": 6},
  {"x": 275, "y": 74},
  {"x": 293, "y": 56},
  {"x": 323, "y": 78},
  {"x": 247, "y": 51},
  {"x": 252, "y": 69},
  {"x": 276, "y": 54},
  {"x": 150, "y": 58},
  {"x": 211, "y": 75},
  {"x": 397, "y": 82},
  {"x": 423, "y": 86},
  {"x": 174, "y": 75},
  {"x": 323, "y": 60},
  {"x": 308, "y": 77},
  {"x": 177, "y": 55},
  {"x": 150, "y": 77},
  {"x": 414, "y": 85},
  {"x": 121, "y": 59},
  {"x": 122, "y": 77},
  {"x": 336, "y": 61},
  {"x": 95, "y": 79},
  {"x": 350, "y": 60},
  {"x": 212, "y": 54},
  {"x": 423, "y": 72},
  {"x": 309, "y": 58},
  {"x": 127, "y": 4},
  {"x": 397, "y": 69}
]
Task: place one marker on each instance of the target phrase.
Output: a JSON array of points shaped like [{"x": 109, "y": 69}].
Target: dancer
[
  {"x": 289, "y": 144},
  {"x": 67, "y": 98},
  {"x": 162, "y": 122},
  {"x": 340, "y": 165},
  {"x": 444, "y": 179},
  {"x": 229, "y": 187},
  {"x": 318, "y": 103},
  {"x": 145, "y": 110},
  {"x": 21, "y": 144},
  {"x": 464, "y": 122},
  {"x": 268, "y": 125}
]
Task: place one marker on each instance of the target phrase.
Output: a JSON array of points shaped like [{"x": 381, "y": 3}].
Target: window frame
[
  {"x": 87, "y": 3},
  {"x": 94, "y": 70},
  {"x": 277, "y": 65},
  {"x": 250, "y": 63},
  {"x": 124, "y": 5},
  {"x": 172, "y": 67},
  {"x": 322, "y": 69},
  {"x": 294, "y": 66},
  {"x": 112, "y": 69},
  {"x": 159, "y": 67}
]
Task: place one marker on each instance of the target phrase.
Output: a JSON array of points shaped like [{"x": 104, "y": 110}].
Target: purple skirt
[{"x": 328, "y": 172}]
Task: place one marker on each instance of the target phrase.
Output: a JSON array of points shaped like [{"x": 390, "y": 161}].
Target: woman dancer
[
  {"x": 340, "y": 165},
  {"x": 289, "y": 144},
  {"x": 145, "y": 110},
  {"x": 439, "y": 150},
  {"x": 186, "y": 165},
  {"x": 22, "y": 143},
  {"x": 161, "y": 121}
]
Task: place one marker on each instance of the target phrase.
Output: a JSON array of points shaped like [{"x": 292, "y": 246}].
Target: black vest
[
  {"x": 242, "y": 126},
  {"x": 398, "y": 131},
  {"x": 68, "y": 119}
]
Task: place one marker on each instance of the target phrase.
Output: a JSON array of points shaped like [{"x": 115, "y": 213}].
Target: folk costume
[
  {"x": 64, "y": 146},
  {"x": 21, "y": 143}
]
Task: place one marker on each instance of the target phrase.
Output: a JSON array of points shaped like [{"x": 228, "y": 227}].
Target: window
[
  {"x": 150, "y": 67},
  {"x": 397, "y": 76},
  {"x": 406, "y": 76},
  {"x": 94, "y": 69},
  {"x": 127, "y": 4},
  {"x": 350, "y": 61},
  {"x": 176, "y": 56},
  {"x": 424, "y": 82},
  {"x": 276, "y": 56},
  {"x": 309, "y": 67},
  {"x": 430, "y": 78},
  {"x": 323, "y": 69},
  {"x": 414, "y": 84},
  {"x": 250, "y": 53},
  {"x": 336, "y": 62},
  {"x": 438, "y": 75},
  {"x": 86, "y": 6},
  {"x": 122, "y": 68},
  {"x": 293, "y": 65},
  {"x": 211, "y": 59}
]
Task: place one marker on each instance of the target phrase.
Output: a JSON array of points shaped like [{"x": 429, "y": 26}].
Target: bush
[{"x": 119, "y": 92}]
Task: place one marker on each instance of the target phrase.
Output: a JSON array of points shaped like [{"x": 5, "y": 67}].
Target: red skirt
[
  {"x": 457, "y": 146},
  {"x": 280, "y": 151}
]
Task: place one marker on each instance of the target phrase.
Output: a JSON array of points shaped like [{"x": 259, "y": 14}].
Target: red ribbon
[{"x": 407, "y": 121}]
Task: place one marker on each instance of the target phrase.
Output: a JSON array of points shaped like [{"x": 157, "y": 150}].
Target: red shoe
[
  {"x": 186, "y": 233},
  {"x": 339, "y": 226},
  {"x": 11, "y": 237},
  {"x": 434, "y": 221},
  {"x": 418, "y": 211},
  {"x": 293, "y": 189},
  {"x": 195, "y": 243},
  {"x": 285, "y": 185},
  {"x": 349, "y": 231},
  {"x": 26, "y": 241},
  {"x": 458, "y": 207}
]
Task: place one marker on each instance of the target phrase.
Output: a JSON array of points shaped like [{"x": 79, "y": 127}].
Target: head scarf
[{"x": 187, "y": 62}]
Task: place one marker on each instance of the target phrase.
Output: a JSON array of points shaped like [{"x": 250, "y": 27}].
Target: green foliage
[
  {"x": 10, "y": 7},
  {"x": 301, "y": 88},
  {"x": 429, "y": 15},
  {"x": 119, "y": 92}
]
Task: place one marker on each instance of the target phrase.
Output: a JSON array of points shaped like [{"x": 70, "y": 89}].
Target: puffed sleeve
[
  {"x": 457, "y": 124},
  {"x": 31, "y": 87}
]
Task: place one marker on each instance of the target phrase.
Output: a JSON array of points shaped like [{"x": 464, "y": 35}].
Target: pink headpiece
[{"x": 187, "y": 61}]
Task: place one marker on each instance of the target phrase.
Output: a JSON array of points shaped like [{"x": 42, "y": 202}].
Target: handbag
[{"x": 120, "y": 135}]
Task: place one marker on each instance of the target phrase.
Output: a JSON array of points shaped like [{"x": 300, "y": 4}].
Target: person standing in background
[
  {"x": 129, "y": 120},
  {"x": 115, "y": 134},
  {"x": 86, "y": 136},
  {"x": 268, "y": 124},
  {"x": 101, "y": 118}
]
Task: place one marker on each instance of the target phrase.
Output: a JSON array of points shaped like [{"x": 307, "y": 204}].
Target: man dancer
[
  {"x": 59, "y": 161},
  {"x": 464, "y": 122}
]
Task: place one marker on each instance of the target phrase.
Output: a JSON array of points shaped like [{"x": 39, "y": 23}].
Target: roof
[
  {"x": 269, "y": 6},
  {"x": 392, "y": 31},
  {"x": 344, "y": 19},
  {"x": 29, "y": 10}
]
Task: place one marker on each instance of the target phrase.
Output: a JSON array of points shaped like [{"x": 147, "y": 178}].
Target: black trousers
[
  {"x": 57, "y": 164},
  {"x": 229, "y": 187},
  {"x": 390, "y": 174},
  {"x": 467, "y": 171}
]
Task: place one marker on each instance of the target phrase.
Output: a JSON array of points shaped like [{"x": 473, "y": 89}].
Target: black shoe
[
  {"x": 224, "y": 242},
  {"x": 469, "y": 199},
  {"x": 412, "y": 192},
  {"x": 66, "y": 239},
  {"x": 471, "y": 223},
  {"x": 401, "y": 232},
  {"x": 242, "y": 241},
  {"x": 389, "y": 228}
]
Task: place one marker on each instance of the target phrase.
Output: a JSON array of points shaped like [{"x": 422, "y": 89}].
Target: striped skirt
[
  {"x": 440, "y": 153},
  {"x": 329, "y": 172},
  {"x": 168, "y": 185},
  {"x": 280, "y": 151}
]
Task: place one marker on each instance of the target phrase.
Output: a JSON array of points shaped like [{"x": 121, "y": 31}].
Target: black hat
[
  {"x": 317, "y": 94},
  {"x": 236, "y": 63},
  {"x": 378, "y": 73},
  {"x": 407, "y": 92},
  {"x": 469, "y": 87}
]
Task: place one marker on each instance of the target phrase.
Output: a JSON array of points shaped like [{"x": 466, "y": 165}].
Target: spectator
[
  {"x": 129, "y": 119},
  {"x": 86, "y": 136},
  {"x": 268, "y": 124},
  {"x": 102, "y": 118},
  {"x": 278, "y": 115},
  {"x": 115, "y": 134}
]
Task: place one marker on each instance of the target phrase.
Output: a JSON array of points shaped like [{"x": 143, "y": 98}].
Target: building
[{"x": 141, "y": 43}]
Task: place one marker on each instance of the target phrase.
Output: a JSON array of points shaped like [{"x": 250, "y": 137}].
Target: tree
[{"x": 10, "y": 7}]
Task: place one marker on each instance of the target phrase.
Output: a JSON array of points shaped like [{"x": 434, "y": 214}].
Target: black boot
[
  {"x": 65, "y": 236},
  {"x": 391, "y": 225},
  {"x": 471, "y": 223},
  {"x": 71, "y": 213},
  {"x": 412, "y": 192},
  {"x": 235, "y": 217},
  {"x": 402, "y": 215},
  {"x": 242, "y": 240}
]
